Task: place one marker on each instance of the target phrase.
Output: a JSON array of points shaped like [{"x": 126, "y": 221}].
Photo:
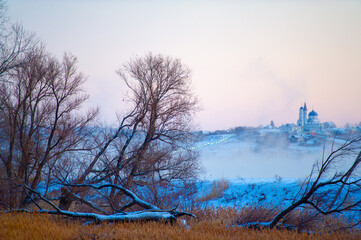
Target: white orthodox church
[{"x": 310, "y": 124}]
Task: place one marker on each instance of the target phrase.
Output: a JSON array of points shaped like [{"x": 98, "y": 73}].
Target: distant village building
[
  {"x": 290, "y": 127},
  {"x": 308, "y": 131},
  {"x": 302, "y": 116},
  {"x": 310, "y": 124}
]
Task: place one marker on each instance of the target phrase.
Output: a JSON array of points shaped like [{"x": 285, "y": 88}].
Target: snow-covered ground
[{"x": 252, "y": 192}]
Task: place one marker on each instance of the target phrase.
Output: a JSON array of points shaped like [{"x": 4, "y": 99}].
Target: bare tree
[
  {"x": 40, "y": 119},
  {"x": 160, "y": 91},
  {"x": 333, "y": 187},
  {"x": 152, "y": 144}
]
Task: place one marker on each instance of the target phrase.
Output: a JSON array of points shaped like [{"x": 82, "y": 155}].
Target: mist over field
[{"x": 248, "y": 158}]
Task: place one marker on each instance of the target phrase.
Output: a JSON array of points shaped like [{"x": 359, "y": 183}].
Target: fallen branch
[
  {"x": 122, "y": 217},
  {"x": 151, "y": 212}
]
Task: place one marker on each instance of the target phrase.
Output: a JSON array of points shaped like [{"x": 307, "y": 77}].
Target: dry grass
[
  {"x": 218, "y": 187},
  {"x": 36, "y": 226},
  {"x": 305, "y": 220}
]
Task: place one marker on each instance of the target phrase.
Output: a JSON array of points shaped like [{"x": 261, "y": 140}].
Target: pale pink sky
[{"x": 252, "y": 61}]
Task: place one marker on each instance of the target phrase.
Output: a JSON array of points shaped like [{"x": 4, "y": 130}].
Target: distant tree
[
  {"x": 238, "y": 130},
  {"x": 272, "y": 124}
]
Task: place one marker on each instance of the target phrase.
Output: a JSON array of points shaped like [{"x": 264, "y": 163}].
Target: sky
[{"x": 251, "y": 61}]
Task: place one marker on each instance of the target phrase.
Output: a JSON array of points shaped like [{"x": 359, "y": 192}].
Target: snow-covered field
[{"x": 253, "y": 192}]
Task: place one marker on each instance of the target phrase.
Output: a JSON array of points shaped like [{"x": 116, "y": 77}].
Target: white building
[{"x": 310, "y": 124}]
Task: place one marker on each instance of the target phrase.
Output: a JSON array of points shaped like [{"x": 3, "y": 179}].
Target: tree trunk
[{"x": 65, "y": 200}]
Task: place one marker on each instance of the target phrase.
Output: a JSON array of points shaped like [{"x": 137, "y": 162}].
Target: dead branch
[
  {"x": 341, "y": 184},
  {"x": 151, "y": 212},
  {"x": 135, "y": 198}
]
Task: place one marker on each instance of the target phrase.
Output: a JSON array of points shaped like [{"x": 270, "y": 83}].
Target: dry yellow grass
[
  {"x": 218, "y": 187},
  {"x": 36, "y": 226}
]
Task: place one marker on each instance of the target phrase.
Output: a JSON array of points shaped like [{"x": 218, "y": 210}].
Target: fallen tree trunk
[
  {"x": 151, "y": 212},
  {"x": 147, "y": 215}
]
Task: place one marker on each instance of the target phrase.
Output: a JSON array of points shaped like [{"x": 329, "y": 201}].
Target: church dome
[{"x": 313, "y": 113}]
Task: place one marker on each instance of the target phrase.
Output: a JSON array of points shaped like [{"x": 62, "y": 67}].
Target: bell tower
[{"x": 304, "y": 120}]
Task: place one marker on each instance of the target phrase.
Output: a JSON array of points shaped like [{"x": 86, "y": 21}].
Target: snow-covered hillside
[{"x": 253, "y": 192}]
